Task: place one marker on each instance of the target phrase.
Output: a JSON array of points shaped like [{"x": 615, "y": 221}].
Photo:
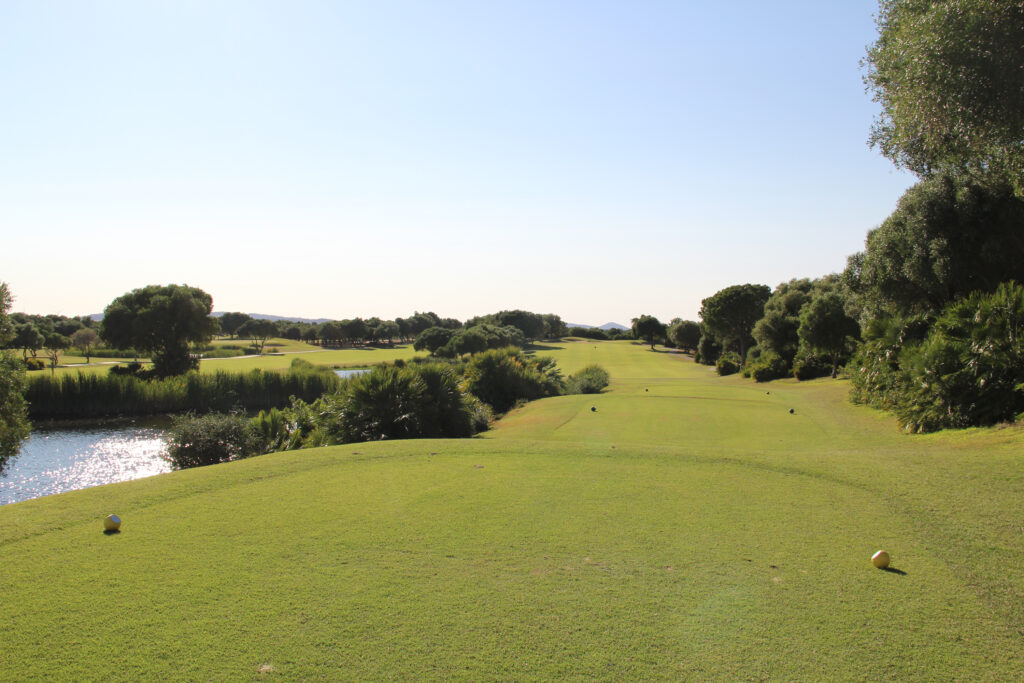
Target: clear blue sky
[{"x": 593, "y": 159}]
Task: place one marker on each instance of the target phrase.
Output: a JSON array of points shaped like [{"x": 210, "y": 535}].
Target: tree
[
  {"x": 259, "y": 331},
  {"x": 825, "y": 328},
  {"x": 161, "y": 320},
  {"x": 554, "y": 327},
  {"x": 55, "y": 343},
  {"x": 949, "y": 236},
  {"x": 230, "y": 322},
  {"x": 432, "y": 338},
  {"x": 731, "y": 313},
  {"x": 28, "y": 338},
  {"x": 685, "y": 334},
  {"x": 949, "y": 79},
  {"x": 14, "y": 424},
  {"x": 85, "y": 339},
  {"x": 648, "y": 328},
  {"x": 776, "y": 331}
]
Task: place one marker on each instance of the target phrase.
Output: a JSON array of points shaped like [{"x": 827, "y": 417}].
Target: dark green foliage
[
  {"x": 195, "y": 441},
  {"x": 728, "y": 363},
  {"x": 708, "y": 350},
  {"x": 432, "y": 338},
  {"x": 949, "y": 80},
  {"x": 685, "y": 334},
  {"x": 259, "y": 331},
  {"x": 878, "y": 379},
  {"x": 14, "y": 424},
  {"x": 807, "y": 366},
  {"x": 480, "y": 337},
  {"x": 970, "y": 369},
  {"x": 93, "y": 395},
  {"x": 28, "y": 338},
  {"x": 729, "y": 316},
  {"x": 502, "y": 377},
  {"x": 34, "y": 364},
  {"x": 766, "y": 367},
  {"x": 161, "y": 321},
  {"x": 385, "y": 403},
  {"x": 588, "y": 380},
  {"x": 948, "y": 237},
  {"x": 776, "y": 331},
  {"x": 588, "y": 333},
  {"x": 554, "y": 327},
  {"x": 230, "y": 322},
  {"x": 826, "y": 329},
  {"x": 648, "y": 328},
  {"x": 532, "y": 325}
]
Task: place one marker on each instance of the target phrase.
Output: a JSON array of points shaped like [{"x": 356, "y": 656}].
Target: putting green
[{"x": 689, "y": 528}]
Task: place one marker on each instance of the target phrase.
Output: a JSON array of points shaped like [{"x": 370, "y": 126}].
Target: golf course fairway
[{"x": 689, "y": 527}]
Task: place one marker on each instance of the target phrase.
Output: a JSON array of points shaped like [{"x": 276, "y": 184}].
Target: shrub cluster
[
  {"x": 965, "y": 368},
  {"x": 728, "y": 363},
  {"x": 589, "y": 380},
  {"x": 399, "y": 401}
]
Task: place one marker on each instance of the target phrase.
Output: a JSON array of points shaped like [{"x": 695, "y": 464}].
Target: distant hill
[{"x": 606, "y": 326}]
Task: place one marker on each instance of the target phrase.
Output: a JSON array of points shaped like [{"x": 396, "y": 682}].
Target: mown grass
[
  {"x": 275, "y": 358},
  {"x": 689, "y": 528}
]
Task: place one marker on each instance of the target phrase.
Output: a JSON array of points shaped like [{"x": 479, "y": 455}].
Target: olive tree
[{"x": 949, "y": 81}]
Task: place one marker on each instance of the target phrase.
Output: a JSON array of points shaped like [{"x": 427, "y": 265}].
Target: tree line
[{"x": 928, "y": 320}]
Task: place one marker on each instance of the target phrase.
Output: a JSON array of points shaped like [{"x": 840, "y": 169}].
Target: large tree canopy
[
  {"x": 161, "y": 321},
  {"x": 949, "y": 76},
  {"x": 731, "y": 313},
  {"x": 948, "y": 237}
]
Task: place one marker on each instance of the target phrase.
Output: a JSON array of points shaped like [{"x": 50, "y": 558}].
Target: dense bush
[
  {"x": 708, "y": 350},
  {"x": 766, "y": 367},
  {"x": 728, "y": 363},
  {"x": 34, "y": 364},
  {"x": 970, "y": 369},
  {"x": 807, "y": 366},
  {"x": 588, "y": 333},
  {"x": 195, "y": 441},
  {"x": 588, "y": 380},
  {"x": 396, "y": 401},
  {"x": 502, "y": 377}
]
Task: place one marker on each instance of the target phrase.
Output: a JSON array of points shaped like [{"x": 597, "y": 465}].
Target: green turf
[
  {"x": 689, "y": 529},
  {"x": 278, "y": 356}
]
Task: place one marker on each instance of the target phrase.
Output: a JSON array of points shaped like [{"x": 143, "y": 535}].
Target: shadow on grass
[
  {"x": 111, "y": 532},
  {"x": 893, "y": 570},
  {"x": 544, "y": 347}
]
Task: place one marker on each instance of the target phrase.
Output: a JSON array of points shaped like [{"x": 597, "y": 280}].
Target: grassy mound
[{"x": 690, "y": 527}]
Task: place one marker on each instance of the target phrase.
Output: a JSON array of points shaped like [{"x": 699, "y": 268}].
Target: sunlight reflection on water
[{"x": 54, "y": 461}]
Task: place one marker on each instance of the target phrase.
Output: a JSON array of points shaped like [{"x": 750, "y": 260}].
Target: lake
[{"x": 58, "y": 460}]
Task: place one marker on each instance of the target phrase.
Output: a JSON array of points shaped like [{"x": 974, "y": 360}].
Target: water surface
[{"x": 58, "y": 460}]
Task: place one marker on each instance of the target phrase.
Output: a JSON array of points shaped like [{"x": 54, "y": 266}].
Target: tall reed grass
[{"x": 93, "y": 395}]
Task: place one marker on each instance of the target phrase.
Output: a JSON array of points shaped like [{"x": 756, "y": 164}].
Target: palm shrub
[
  {"x": 970, "y": 369},
  {"x": 502, "y": 377},
  {"x": 385, "y": 403}
]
